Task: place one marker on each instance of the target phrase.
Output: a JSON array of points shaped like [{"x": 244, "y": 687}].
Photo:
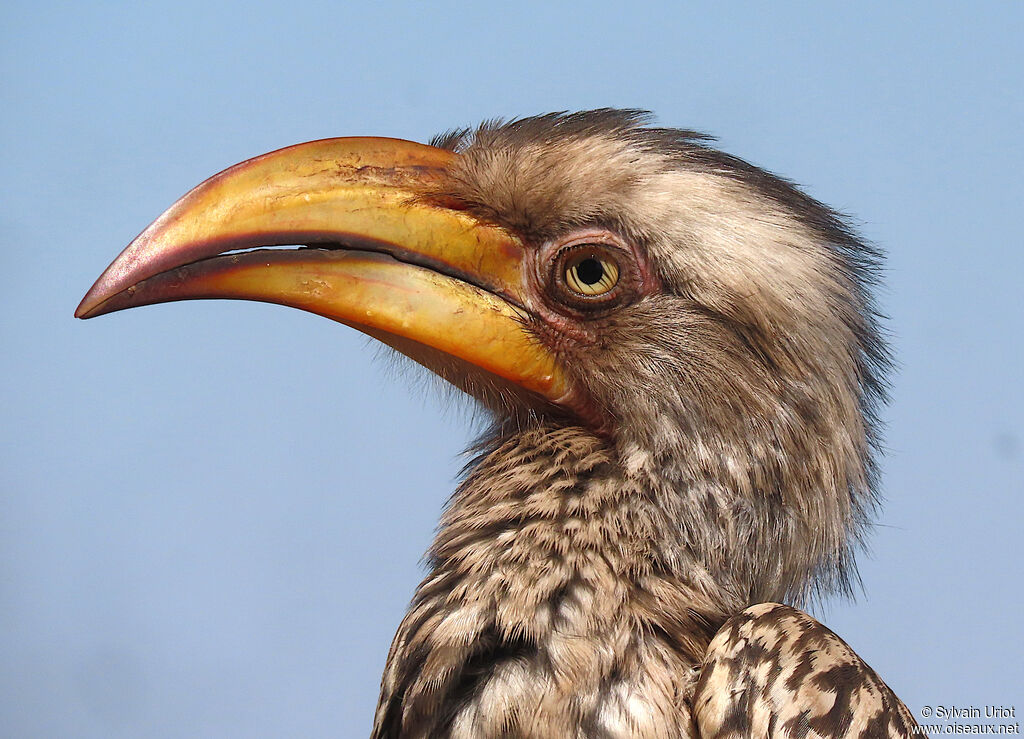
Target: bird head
[{"x": 709, "y": 324}]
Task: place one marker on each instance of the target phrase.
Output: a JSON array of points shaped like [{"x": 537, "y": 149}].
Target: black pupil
[{"x": 590, "y": 271}]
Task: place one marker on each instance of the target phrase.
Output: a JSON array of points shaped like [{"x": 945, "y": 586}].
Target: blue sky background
[{"x": 212, "y": 514}]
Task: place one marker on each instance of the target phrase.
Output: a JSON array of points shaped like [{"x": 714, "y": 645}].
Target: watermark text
[{"x": 945, "y": 720}]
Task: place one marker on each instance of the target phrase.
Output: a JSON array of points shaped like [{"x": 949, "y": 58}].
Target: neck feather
[{"x": 557, "y": 567}]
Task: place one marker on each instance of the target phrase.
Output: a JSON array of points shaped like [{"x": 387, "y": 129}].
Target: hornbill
[{"x": 681, "y": 357}]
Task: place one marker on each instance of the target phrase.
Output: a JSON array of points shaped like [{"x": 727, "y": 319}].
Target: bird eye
[
  {"x": 588, "y": 274},
  {"x": 591, "y": 274}
]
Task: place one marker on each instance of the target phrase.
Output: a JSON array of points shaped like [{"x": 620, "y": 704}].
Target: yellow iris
[{"x": 592, "y": 274}]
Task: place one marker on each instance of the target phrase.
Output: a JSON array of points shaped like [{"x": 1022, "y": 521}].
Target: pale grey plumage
[{"x": 582, "y": 570}]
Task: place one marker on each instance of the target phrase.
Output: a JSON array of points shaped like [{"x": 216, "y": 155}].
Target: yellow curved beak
[{"x": 417, "y": 275}]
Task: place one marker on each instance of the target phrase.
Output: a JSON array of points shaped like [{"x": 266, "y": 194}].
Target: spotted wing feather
[{"x": 773, "y": 671}]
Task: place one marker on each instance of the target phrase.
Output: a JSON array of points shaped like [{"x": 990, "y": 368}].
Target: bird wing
[{"x": 773, "y": 671}]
